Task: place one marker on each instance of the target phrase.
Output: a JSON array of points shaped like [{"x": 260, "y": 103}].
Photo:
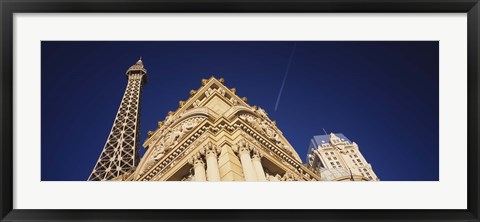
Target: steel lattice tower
[{"x": 121, "y": 151}]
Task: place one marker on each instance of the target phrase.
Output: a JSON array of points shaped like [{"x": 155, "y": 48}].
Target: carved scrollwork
[
  {"x": 262, "y": 113},
  {"x": 263, "y": 127},
  {"x": 173, "y": 136},
  {"x": 169, "y": 139}
]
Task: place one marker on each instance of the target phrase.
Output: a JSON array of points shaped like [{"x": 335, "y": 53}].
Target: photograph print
[{"x": 264, "y": 111}]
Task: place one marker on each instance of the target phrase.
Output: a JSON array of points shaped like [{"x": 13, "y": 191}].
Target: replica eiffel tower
[{"x": 120, "y": 155}]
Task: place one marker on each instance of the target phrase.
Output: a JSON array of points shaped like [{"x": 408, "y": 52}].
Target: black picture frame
[{"x": 9, "y": 7}]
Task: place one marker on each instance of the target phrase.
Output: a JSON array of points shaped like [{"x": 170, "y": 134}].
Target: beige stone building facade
[
  {"x": 215, "y": 135},
  {"x": 339, "y": 159}
]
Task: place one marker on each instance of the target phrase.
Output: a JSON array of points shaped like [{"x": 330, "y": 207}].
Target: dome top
[{"x": 137, "y": 67}]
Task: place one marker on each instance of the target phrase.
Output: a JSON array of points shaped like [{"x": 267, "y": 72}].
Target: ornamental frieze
[
  {"x": 264, "y": 127},
  {"x": 170, "y": 138}
]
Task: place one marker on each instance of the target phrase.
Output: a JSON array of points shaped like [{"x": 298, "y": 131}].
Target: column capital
[
  {"x": 243, "y": 147},
  {"x": 256, "y": 154},
  {"x": 196, "y": 160},
  {"x": 211, "y": 149}
]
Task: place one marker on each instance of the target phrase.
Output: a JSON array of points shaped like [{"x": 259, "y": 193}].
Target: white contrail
[{"x": 285, "y": 77}]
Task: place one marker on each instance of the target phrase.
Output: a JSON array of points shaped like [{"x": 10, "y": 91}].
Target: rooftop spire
[{"x": 137, "y": 67}]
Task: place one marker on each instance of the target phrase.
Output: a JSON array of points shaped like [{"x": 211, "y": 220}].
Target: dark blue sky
[{"x": 382, "y": 95}]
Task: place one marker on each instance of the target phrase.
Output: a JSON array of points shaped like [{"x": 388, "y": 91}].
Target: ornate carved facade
[{"x": 216, "y": 136}]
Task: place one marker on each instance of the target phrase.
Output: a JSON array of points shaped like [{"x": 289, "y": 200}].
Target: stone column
[
  {"x": 248, "y": 170},
  {"x": 257, "y": 165},
  {"x": 199, "y": 168},
  {"x": 213, "y": 173}
]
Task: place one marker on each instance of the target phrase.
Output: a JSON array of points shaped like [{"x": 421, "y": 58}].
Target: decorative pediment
[
  {"x": 216, "y": 96},
  {"x": 213, "y": 96}
]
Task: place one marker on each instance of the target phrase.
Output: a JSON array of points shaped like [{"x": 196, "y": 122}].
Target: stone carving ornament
[
  {"x": 262, "y": 113},
  {"x": 276, "y": 177},
  {"x": 169, "y": 118},
  {"x": 170, "y": 139},
  {"x": 210, "y": 149},
  {"x": 263, "y": 126}
]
